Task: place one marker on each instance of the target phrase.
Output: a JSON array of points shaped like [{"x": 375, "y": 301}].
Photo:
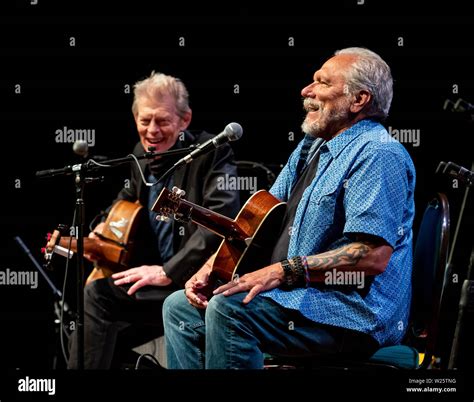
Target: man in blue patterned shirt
[{"x": 340, "y": 281}]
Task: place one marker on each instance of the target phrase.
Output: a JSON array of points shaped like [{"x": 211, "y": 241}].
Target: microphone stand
[
  {"x": 466, "y": 306},
  {"x": 466, "y": 298},
  {"x": 80, "y": 219},
  {"x": 80, "y": 172}
]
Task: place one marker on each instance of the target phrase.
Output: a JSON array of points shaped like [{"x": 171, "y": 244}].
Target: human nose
[
  {"x": 308, "y": 91},
  {"x": 153, "y": 127}
]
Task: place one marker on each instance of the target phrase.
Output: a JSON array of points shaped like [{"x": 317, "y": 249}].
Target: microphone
[
  {"x": 456, "y": 171},
  {"x": 232, "y": 132},
  {"x": 81, "y": 148}
]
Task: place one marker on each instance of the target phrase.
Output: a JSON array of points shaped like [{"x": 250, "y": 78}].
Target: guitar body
[
  {"x": 261, "y": 218},
  {"x": 118, "y": 241},
  {"x": 115, "y": 246},
  {"x": 249, "y": 239}
]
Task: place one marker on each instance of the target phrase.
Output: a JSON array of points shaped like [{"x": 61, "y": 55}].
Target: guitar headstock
[
  {"x": 52, "y": 239},
  {"x": 168, "y": 202},
  {"x": 52, "y": 243}
]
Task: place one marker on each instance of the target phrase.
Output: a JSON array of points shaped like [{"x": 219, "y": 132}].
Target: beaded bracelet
[
  {"x": 295, "y": 273},
  {"x": 306, "y": 270}
]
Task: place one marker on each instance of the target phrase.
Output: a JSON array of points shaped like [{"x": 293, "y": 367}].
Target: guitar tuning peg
[
  {"x": 162, "y": 218},
  {"x": 179, "y": 192}
]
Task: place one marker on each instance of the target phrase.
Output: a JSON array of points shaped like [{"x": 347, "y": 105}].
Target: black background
[{"x": 82, "y": 87}]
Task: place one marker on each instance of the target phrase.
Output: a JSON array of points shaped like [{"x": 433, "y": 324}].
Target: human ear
[{"x": 361, "y": 99}]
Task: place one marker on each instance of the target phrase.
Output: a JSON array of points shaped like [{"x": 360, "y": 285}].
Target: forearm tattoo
[{"x": 348, "y": 255}]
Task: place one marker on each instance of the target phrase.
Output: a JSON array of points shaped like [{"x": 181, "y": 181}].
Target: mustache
[{"x": 309, "y": 103}]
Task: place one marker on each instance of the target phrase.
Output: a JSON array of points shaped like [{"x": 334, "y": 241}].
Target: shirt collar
[{"x": 339, "y": 142}]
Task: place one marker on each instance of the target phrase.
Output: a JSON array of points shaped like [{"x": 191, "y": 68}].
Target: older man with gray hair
[
  {"x": 350, "y": 213},
  {"x": 175, "y": 251}
]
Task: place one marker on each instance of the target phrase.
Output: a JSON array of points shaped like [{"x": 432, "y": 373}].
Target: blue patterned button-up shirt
[{"x": 364, "y": 184}]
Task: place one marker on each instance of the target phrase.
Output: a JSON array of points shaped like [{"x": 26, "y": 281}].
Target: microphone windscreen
[
  {"x": 80, "y": 148},
  {"x": 234, "y": 131}
]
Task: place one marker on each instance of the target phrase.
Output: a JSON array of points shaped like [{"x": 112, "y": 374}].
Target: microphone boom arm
[{"x": 91, "y": 166}]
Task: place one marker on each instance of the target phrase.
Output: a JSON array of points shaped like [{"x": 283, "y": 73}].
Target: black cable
[
  {"x": 166, "y": 174},
  {"x": 149, "y": 356},
  {"x": 63, "y": 330}
]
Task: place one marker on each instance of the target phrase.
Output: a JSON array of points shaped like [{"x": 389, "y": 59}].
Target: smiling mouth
[
  {"x": 154, "y": 141},
  {"x": 311, "y": 107}
]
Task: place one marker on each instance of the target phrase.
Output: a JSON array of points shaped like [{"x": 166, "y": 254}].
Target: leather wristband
[{"x": 288, "y": 279}]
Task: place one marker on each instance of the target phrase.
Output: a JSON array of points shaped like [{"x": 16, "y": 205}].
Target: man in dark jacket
[{"x": 176, "y": 250}]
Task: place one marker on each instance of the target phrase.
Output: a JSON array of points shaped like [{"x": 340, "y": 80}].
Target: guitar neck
[
  {"x": 106, "y": 250},
  {"x": 213, "y": 221},
  {"x": 171, "y": 203}
]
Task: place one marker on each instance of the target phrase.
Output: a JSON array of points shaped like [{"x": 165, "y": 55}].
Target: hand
[
  {"x": 194, "y": 287},
  {"x": 92, "y": 235},
  {"x": 142, "y": 276},
  {"x": 98, "y": 229},
  {"x": 255, "y": 282}
]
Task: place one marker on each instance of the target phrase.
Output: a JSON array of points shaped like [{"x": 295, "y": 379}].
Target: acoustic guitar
[
  {"x": 114, "y": 247},
  {"x": 248, "y": 240}
]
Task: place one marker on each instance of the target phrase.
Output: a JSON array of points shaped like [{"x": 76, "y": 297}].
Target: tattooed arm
[{"x": 369, "y": 254}]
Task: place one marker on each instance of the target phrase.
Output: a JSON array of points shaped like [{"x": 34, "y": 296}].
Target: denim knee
[
  {"x": 173, "y": 303},
  {"x": 225, "y": 305}
]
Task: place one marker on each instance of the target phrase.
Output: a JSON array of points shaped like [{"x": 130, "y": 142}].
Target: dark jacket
[{"x": 199, "y": 179}]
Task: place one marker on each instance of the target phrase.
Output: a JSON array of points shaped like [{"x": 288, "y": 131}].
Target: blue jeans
[{"x": 232, "y": 335}]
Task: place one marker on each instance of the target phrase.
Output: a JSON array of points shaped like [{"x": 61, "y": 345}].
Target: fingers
[
  {"x": 119, "y": 275},
  {"x": 199, "y": 284},
  {"x": 233, "y": 287},
  {"x": 253, "y": 292},
  {"x": 123, "y": 274},
  {"x": 200, "y": 301},
  {"x": 137, "y": 285},
  {"x": 127, "y": 279},
  {"x": 224, "y": 288},
  {"x": 197, "y": 300},
  {"x": 236, "y": 288},
  {"x": 201, "y": 280}
]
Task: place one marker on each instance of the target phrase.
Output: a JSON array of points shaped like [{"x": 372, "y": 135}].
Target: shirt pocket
[{"x": 324, "y": 203}]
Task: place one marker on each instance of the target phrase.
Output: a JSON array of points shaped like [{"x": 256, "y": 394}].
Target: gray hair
[
  {"x": 371, "y": 73},
  {"x": 159, "y": 85}
]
